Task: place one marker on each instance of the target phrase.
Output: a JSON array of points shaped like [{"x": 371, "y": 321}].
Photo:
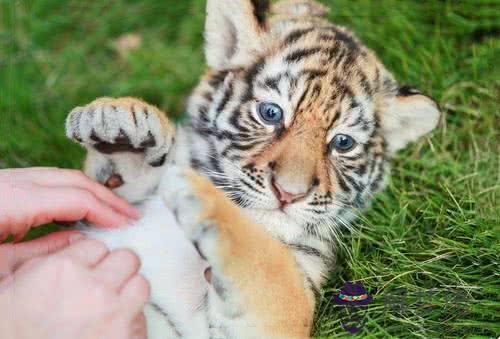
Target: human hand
[
  {"x": 14, "y": 255},
  {"x": 34, "y": 196},
  {"x": 80, "y": 292}
]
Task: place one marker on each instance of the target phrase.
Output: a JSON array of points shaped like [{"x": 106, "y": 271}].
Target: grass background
[{"x": 436, "y": 228}]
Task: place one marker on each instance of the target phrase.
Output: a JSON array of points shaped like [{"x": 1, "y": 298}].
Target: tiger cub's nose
[{"x": 283, "y": 196}]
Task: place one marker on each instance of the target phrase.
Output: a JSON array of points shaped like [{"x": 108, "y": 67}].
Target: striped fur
[{"x": 327, "y": 83}]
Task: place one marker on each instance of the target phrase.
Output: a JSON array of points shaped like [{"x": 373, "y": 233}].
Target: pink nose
[{"x": 283, "y": 196}]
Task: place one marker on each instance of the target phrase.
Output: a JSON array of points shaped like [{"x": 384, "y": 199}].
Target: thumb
[{"x": 13, "y": 255}]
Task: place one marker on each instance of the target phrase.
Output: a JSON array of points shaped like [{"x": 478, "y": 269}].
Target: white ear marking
[
  {"x": 409, "y": 116},
  {"x": 232, "y": 33}
]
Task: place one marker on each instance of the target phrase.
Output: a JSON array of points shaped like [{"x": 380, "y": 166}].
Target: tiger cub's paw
[
  {"x": 190, "y": 198},
  {"x": 112, "y": 125}
]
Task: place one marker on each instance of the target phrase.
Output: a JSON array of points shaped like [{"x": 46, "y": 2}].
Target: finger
[
  {"x": 135, "y": 294},
  {"x": 65, "y": 177},
  {"x": 19, "y": 236},
  {"x": 72, "y": 204},
  {"x": 117, "y": 268},
  {"x": 33, "y": 169},
  {"x": 41, "y": 246},
  {"x": 89, "y": 252},
  {"x": 15, "y": 255}
]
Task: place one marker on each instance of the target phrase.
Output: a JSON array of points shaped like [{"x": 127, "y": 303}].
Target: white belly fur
[{"x": 169, "y": 262}]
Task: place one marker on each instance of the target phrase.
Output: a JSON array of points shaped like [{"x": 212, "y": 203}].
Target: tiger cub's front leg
[
  {"x": 127, "y": 142},
  {"x": 256, "y": 289}
]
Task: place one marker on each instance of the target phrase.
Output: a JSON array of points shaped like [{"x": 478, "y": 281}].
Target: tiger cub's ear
[
  {"x": 233, "y": 30},
  {"x": 409, "y": 116}
]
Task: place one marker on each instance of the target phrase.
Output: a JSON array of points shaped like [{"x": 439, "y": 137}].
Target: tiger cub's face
[{"x": 298, "y": 119}]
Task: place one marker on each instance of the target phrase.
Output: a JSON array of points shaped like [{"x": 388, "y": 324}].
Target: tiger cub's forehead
[{"x": 327, "y": 82}]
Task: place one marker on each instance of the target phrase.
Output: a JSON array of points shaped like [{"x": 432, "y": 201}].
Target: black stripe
[
  {"x": 344, "y": 37},
  {"x": 207, "y": 96},
  {"x": 249, "y": 186},
  {"x": 234, "y": 120},
  {"x": 167, "y": 318},
  {"x": 375, "y": 185},
  {"x": 242, "y": 147},
  {"x": 365, "y": 83},
  {"x": 273, "y": 82},
  {"x": 217, "y": 78},
  {"x": 317, "y": 211},
  {"x": 196, "y": 163},
  {"x": 351, "y": 56},
  {"x": 225, "y": 98},
  {"x": 313, "y": 73},
  {"x": 133, "y": 115},
  {"x": 296, "y": 35},
  {"x": 334, "y": 119},
  {"x": 203, "y": 114},
  {"x": 361, "y": 170},
  {"x": 214, "y": 159},
  {"x": 309, "y": 281},
  {"x": 299, "y": 54},
  {"x": 341, "y": 180},
  {"x": 407, "y": 90},
  {"x": 352, "y": 157},
  {"x": 357, "y": 186},
  {"x": 260, "y": 9},
  {"x": 254, "y": 70},
  {"x": 255, "y": 121},
  {"x": 358, "y": 120},
  {"x": 302, "y": 97},
  {"x": 313, "y": 287},
  {"x": 332, "y": 52},
  {"x": 307, "y": 250}
]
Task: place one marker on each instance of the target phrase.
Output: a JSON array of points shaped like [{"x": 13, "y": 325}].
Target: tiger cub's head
[{"x": 296, "y": 119}]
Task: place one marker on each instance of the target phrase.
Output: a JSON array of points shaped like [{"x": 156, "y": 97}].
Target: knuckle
[
  {"x": 88, "y": 200},
  {"x": 62, "y": 264},
  {"x": 76, "y": 174},
  {"x": 128, "y": 257},
  {"x": 101, "y": 291},
  {"x": 142, "y": 287},
  {"x": 95, "y": 246}
]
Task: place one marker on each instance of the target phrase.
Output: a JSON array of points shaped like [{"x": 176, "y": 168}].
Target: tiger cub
[{"x": 289, "y": 133}]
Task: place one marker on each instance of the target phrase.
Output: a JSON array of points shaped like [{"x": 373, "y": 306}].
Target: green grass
[{"x": 437, "y": 225}]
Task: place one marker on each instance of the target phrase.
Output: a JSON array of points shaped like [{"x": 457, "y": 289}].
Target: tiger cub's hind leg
[
  {"x": 127, "y": 141},
  {"x": 256, "y": 289}
]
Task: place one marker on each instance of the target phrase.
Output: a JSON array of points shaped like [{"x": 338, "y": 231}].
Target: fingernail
[
  {"x": 134, "y": 213},
  {"x": 75, "y": 237}
]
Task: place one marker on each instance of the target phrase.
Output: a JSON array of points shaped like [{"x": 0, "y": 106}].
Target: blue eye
[
  {"x": 270, "y": 113},
  {"x": 342, "y": 143}
]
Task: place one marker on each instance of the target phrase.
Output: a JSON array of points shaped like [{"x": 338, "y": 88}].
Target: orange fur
[{"x": 262, "y": 269}]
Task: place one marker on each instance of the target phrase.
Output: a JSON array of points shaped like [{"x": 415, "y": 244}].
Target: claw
[
  {"x": 149, "y": 142},
  {"x": 94, "y": 137}
]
